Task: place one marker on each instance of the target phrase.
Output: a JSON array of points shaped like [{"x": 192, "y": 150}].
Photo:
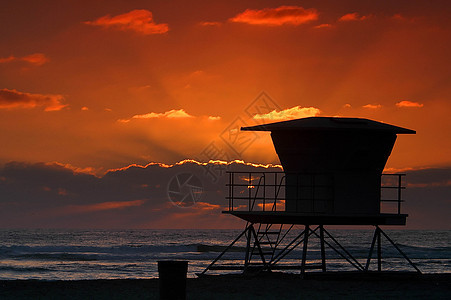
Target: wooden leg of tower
[
  {"x": 379, "y": 251},
  {"x": 371, "y": 250},
  {"x": 399, "y": 250},
  {"x": 257, "y": 244},
  {"x": 248, "y": 245},
  {"x": 304, "y": 251},
  {"x": 323, "y": 251}
]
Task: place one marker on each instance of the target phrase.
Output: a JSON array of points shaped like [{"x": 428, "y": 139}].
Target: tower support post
[
  {"x": 254, "y": 243},
  {"x": 323, "y": 250},
  {"x": 304, "y": 251},
  {"x": 379, "y": 250}
]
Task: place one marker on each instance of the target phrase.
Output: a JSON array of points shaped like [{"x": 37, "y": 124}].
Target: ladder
[{"x": 262, "y": 247}]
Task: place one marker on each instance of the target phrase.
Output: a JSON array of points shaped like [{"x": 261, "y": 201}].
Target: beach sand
[{"x": 269, "y": 286}]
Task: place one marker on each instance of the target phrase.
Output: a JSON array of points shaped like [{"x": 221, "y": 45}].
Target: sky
[{"x": 95, "y": 90}]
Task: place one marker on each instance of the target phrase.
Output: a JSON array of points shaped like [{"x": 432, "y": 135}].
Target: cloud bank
[{"x": 52, "y": 195}]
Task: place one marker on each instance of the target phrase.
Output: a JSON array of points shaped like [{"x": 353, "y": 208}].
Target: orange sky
[{"x": 97, "y": 85}]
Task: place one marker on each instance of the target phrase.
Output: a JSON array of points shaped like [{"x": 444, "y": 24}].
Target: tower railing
[
  {"x": 263, "y": 191},
  {"x": 266, "y": 191},
  {"x": 393, "y": 184}
]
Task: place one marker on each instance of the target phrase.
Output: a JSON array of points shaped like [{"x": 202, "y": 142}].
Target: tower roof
[{"x": 329, "y": 123}]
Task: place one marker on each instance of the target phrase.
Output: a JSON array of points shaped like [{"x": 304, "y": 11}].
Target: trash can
[{"x": 172, "y": 279}]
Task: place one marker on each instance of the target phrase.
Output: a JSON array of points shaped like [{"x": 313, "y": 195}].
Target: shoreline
[{"x": 264, "y": 286}]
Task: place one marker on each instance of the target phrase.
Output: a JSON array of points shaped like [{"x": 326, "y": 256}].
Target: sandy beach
[{"x": 270, "y": 286}]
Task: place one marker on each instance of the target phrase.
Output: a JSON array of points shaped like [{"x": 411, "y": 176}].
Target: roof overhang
[{"x": 329, "y": 124}]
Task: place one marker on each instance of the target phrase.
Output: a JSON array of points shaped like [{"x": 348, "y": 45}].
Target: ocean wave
[
  {"x": 218, "y": 248},
  {"x": 435, "y": 261},
  {"x": 124, "y": 249},
  {"x": 23, "y": 269},
  {"x": 425, "y": 248},
  {"x": 58, "y": 256},
  {"x": 126, "y": 252},
  {"x": 205, "y": 250}
]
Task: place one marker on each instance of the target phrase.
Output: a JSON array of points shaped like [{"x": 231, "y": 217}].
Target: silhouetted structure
[{"x": 332, "y": 176}]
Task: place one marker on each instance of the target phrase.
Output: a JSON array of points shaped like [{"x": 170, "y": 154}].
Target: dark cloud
[
  {"x": 428, "y": 198},
  {"x": 52, "y": 195},
  {"x": 12, "y": 99}
]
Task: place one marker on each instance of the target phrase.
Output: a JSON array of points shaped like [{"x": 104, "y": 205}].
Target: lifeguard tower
[{"x": 332, "y": 175}]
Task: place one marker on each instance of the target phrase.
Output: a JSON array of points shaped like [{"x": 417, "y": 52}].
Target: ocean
[{"x": 46, "y": 254}]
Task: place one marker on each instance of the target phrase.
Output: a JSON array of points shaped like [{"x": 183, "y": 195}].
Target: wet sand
[{"x": 270, "y": 286}]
